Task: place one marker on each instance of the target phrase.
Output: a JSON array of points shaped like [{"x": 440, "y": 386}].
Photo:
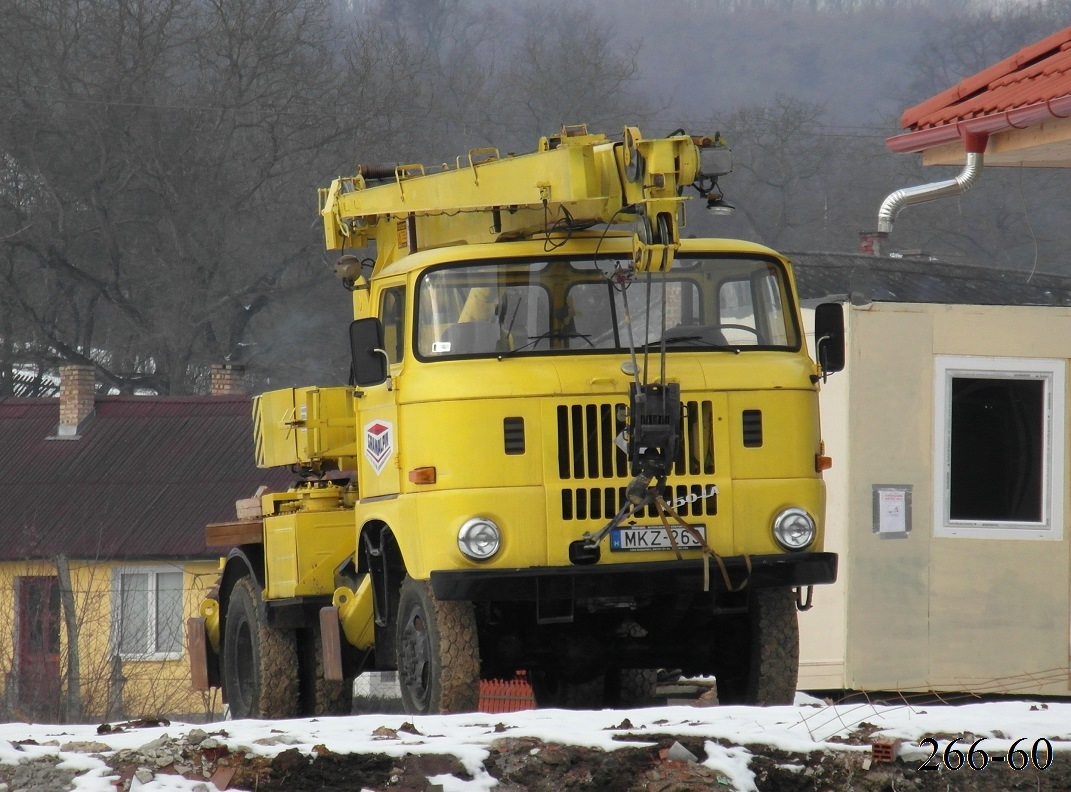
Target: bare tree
[
  {"x": 784, "y": 180},
  {"x": 570, "y": 67},
  {"x": 167, "y": 153},
  {"x": 975, "y": 40}
]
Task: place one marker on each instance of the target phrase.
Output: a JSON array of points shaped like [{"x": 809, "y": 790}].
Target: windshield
[{"x": 583, "y": 306}]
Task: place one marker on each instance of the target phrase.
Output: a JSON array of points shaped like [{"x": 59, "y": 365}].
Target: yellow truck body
[{"x": 491, "y": 497}]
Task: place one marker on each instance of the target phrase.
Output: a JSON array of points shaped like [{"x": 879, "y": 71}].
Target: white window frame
[
  {"x": 117, "y": 614},
  {"x": 1051, "y": 372}
]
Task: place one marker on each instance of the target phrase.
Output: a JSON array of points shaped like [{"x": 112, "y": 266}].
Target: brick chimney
[
  {"x": 870, "y": 242},
  {"x": 226, "y": 379},
  {"x": 76, "y": 398}
]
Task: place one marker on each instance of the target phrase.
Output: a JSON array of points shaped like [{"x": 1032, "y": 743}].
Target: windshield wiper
[
  {"x": 550, "y": 334},
  {"x": 675, "y": 340}
]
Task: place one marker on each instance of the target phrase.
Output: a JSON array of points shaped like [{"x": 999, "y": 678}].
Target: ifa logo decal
[{"x": 378, "y": 443}]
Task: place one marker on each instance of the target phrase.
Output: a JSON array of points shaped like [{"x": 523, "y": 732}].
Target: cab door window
[{"x": 392, "y": 314}]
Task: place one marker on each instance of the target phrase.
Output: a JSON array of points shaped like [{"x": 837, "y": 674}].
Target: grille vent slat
[
  {"x": 752, "y": 422},
  {"x": 577, "y": 439},
  {"x": 513, "y": 435},
  {"x": 563, "y": 443}
]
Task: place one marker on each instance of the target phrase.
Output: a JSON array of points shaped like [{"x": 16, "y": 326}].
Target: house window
[
  {"x": 998, "y": 453},
  {"x": 148, "y": 623}
]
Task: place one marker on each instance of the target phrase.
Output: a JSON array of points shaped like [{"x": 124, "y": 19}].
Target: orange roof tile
[
  {"x": 1037, "y": 73},
  {"x": 1029, "y": 87}
]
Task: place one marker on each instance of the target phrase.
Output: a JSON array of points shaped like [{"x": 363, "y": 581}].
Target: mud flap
[
  {"x": 197, "y": 643},
  {"x": 331, "y": 644}
]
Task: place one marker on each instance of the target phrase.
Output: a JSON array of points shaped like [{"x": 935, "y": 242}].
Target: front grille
[
  {"x": 587, "y": 452},
  {"x": 602, "y": 503},
  {"x": 586, "y": 448}
]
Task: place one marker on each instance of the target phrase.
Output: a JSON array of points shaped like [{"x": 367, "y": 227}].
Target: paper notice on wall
[{"x": 892, "y": 511}]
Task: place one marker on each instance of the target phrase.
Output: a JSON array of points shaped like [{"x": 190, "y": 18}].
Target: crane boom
[{"x": 574, "y": 180}]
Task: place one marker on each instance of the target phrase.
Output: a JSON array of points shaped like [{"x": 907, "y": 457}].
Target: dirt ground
[
  {"x": 528, "y": 764},
  {"x": 666, "y": 762}
]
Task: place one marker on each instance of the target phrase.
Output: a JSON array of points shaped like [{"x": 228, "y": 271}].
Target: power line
[{"x": 850, "y": 131}]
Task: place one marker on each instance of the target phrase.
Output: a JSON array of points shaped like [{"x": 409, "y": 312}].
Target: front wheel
[
  {"x": 438, "y": 652},
  {"x": 761, "y": 664},
  {"x": 260, "y": 663}
]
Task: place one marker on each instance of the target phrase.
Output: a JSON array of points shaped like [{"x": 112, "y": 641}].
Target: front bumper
[{"x": 657, "y": 578}]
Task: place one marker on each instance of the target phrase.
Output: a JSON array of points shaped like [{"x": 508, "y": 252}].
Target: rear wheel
[
  {"x": 761, "y": 664},
  {"x": 320, "y": 696},
  {"x": 635, "y": 686},
  {"x": 260, "y": 668},
  {"x": 438, "y": 652}
]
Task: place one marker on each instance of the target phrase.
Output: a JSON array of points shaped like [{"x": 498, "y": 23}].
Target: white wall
[{"x": 823, "y": 629}]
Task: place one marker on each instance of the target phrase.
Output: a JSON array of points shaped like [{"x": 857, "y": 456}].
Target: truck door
[{"x": 379, "y": 465}]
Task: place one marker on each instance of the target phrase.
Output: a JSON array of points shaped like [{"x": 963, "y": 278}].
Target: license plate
[{"x": 653, "y": 537}]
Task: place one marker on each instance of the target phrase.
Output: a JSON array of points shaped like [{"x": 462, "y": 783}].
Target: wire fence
[
  {"x": 128, "y": 658},
  {"x": 92, "y": 642},
  {"x": 99, "y": 643}
]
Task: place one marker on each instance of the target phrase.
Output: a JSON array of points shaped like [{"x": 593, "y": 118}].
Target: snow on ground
[{"x": 808, "y": 726}]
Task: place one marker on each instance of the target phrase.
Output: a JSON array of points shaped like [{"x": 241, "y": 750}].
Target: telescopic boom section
[{"x": 573, "y": 180}]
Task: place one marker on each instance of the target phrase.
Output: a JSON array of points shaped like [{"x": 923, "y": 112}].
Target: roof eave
[{"x": 971, "y": 129}]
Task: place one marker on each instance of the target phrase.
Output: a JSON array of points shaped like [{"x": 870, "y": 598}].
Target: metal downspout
[{"x": 908, "y": 196}]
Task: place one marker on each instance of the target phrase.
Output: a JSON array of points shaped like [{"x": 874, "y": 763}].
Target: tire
[
  {"x": 320, "y": 696},
  {"x": 636, "y": 686},
  {"x": 260, "y": 663},
  {"x": 438, "y": 652},
  {"x": 762, "y": 667},
  {"x": 551, "y": 689}
]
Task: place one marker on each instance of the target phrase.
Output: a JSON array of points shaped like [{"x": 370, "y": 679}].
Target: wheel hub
[
  {"x": 244, "y": 671},
  {"x": 415, "y": 666}
]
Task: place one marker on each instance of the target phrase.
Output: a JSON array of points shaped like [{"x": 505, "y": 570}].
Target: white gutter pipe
[{"x": 908, "y": 196}]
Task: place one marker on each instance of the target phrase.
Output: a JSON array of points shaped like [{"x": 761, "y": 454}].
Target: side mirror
[
  {"x": 367, "y": 356},
  {"x": 829, "y": 337}
]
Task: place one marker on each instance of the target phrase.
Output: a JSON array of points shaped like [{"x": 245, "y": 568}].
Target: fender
[{"x": 242, "y": 561}]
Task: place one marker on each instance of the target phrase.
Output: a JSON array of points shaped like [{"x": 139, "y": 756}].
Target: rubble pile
[
  {"x": 36, "y": 775},
  {"x": 195, "y": 755},
  {"x": 653, "y": 762}
]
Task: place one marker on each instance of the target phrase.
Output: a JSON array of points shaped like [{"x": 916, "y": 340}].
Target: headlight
[
  {"x": 794, "y": 529},
  {"x": 479, "y": 539}
]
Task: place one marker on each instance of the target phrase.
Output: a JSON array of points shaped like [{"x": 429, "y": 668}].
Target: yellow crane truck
[{"x": 573, "y": 443}]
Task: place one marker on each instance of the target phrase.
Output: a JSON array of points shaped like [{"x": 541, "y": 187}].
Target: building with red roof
[
  {"x": 1017, "y": 111},
  {"x": 948, "y": 500},
  {"x": 103, "y": 506}
]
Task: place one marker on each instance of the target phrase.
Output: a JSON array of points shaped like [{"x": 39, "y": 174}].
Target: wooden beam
[{"x": 229, "y": 534}]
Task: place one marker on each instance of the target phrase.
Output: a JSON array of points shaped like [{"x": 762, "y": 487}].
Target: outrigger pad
[{"x": 654, "y": 428}]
